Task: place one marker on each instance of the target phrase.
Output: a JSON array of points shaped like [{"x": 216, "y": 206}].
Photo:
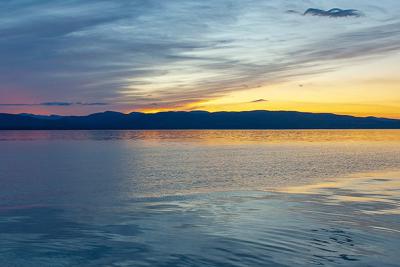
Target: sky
[{"x": 80, "y": 57}]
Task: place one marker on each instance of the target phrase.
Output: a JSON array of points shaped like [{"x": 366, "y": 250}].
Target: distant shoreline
[{"x": 196, "y": 120}]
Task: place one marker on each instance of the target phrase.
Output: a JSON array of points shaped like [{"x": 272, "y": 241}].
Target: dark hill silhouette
[{"x": 259, "y": 119}]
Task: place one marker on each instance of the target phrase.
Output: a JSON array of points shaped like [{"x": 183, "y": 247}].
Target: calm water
[{"x": 200, "y": 198}]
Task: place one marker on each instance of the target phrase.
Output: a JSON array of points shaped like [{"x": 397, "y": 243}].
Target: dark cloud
[
  {"x": 259, "y": 101},
  {"x": 60, "y": 104},
  {"x": 56, "y": 104},
  {"x": 333, "y": 13},
  {"x": 290, "y": 11},
  {"x": 91, "y": 104}
]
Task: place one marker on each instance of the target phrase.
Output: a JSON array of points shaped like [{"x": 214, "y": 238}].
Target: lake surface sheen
[{"x": 200, "y": 198}]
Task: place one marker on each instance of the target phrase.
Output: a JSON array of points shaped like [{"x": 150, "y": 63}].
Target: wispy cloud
[
  {"x": 333, "y": 13},
  {"x": 49, "y": 104},
  {"x": 259, "y": 101}
]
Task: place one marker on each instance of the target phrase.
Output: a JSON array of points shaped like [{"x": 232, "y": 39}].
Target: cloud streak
[
  {"x": 52, "y": 104},
  {"x": 333, "y": 13},
  {"x": 259, "y": 101}
]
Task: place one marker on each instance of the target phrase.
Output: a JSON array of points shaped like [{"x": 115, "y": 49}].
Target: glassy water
[{"x": 200, "y": 198}]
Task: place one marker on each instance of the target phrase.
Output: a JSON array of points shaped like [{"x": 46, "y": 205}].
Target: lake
[{"x": 200, "y": 198}]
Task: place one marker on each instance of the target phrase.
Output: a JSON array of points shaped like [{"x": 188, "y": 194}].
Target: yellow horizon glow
[
  {"x": 340, "y": 109},
  {"x": 366, "y": 88}
]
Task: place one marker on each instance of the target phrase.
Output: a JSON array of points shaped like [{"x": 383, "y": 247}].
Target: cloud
[
  {"x": 49, "y": 104},
  {"x": 290, "y": 11},
  {"x": 91, "y": 104},
  {"x": 258, "y": 101},
  {"x": 56, "y": 104},
  {"x": 333, "y": 13}
]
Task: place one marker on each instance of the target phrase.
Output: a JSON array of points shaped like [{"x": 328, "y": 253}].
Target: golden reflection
[
  {"x": 368, "y": 188},
  {"x": 380, "y": 137},
  {"x": 266, "y": 136},
  {"x": 380, "y": 183}
]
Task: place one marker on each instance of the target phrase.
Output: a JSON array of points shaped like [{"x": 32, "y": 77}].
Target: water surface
[{"x": 200, "y": 198}]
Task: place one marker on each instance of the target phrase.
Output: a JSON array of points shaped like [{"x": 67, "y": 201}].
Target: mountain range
[{"x": 258, "y": 119}]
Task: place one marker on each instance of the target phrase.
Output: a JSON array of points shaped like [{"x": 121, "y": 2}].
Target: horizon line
[{"x": 205, "y": 111}]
